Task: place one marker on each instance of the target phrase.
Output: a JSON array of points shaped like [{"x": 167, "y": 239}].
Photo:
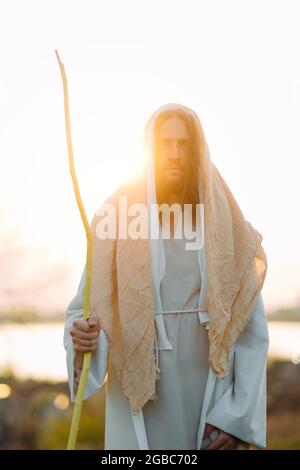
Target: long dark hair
[{"x": 193, "y": 170}]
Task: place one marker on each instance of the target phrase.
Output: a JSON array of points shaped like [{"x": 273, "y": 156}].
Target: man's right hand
[{"x": 85, "y": 334}]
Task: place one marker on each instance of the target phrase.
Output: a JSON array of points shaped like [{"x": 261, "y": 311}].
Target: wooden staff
[{"x": 87, "y": 288}]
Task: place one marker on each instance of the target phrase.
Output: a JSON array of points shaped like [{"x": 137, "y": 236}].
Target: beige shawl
[{"x": 121, "y": 289}]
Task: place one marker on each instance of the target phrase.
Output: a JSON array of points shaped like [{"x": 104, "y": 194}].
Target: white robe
[
  {"x": 235, "y": 404},
  {"x": 172, "y": 421}
]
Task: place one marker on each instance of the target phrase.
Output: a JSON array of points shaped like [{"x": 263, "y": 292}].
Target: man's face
[{"x": 172, "y": 152}]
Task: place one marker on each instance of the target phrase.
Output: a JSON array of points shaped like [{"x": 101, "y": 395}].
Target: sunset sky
[{"x": 235, "y": 63}]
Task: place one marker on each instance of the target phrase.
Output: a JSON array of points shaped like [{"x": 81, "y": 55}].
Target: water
[
  {"x": 36, "y": 350},
  {"x": 285, "y": 341},
  {"x": 33, "y": 350}
]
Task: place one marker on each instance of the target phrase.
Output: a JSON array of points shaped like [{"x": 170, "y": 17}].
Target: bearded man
[{"x": 177, "y": 327}]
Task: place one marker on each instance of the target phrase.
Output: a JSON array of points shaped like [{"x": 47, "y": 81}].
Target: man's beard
[
  {"x": 166, "y": 187},
  {"x": 187, "y": 193},
  {"x": 171, "y": 186}
]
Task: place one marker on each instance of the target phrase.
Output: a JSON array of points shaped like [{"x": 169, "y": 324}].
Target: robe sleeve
[
  {"x": 241, "y": 411},
  {"x": 99, "y": 357}
]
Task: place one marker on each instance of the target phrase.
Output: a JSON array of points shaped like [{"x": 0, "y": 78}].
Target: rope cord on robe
[
  {"x": 204, "y": 321},
  {"x": 87, "y": 287},
  {"x": 203, "y": 314}
]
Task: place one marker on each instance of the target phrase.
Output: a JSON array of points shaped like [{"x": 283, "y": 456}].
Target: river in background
[{"x": 36, "y": 350}]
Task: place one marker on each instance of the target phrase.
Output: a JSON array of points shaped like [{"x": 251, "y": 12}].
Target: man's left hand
[{"x": 223, "y": 441}]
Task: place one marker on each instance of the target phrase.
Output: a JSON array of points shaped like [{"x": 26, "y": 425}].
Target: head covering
[{"x": 122, "y": 290}]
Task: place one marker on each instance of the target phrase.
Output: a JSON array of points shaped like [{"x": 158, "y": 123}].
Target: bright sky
[{"x": 236, "y": 63}]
